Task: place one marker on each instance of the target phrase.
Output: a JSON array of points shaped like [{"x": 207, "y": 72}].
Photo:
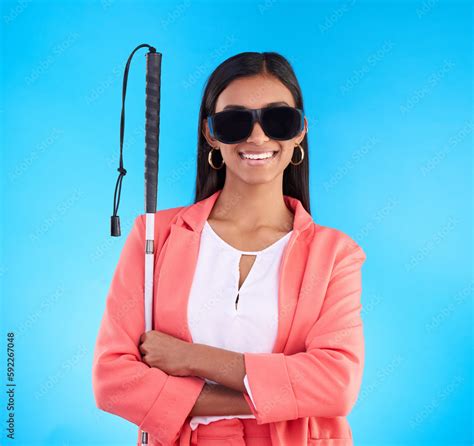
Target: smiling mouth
[{"x": 258, "y": 156}]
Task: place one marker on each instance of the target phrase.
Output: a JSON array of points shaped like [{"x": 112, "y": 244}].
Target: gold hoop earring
[
  {"x": 209, "y": 160},
  {"x": 302, "y": 156}
]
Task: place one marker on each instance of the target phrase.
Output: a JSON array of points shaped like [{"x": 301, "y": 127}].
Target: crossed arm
[
  {"x": 184, "y": 359},
  {"x": 216, "y": 399},
  {"x": 228, "y": 369}
]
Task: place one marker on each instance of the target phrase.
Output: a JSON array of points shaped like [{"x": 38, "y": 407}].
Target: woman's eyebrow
[{"x": 241, "y": 107}]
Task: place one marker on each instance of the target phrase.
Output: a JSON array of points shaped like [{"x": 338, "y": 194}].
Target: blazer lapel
[
  {"x": 292, "y": 269},
  {"x": 178, "y": 259},
  {"x": 175, "y": 267}
]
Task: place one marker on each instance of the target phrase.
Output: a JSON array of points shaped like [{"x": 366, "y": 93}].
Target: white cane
[{"x": 152, "y": 132}]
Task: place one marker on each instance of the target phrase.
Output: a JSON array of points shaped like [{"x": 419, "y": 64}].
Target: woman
[{"x": 257, "y": 337}]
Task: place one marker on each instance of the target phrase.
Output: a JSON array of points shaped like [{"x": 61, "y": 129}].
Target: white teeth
[{"x": 260, "y": 156}]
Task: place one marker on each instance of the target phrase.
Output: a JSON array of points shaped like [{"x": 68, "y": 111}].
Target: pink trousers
[{"x": 227, "y": 432}]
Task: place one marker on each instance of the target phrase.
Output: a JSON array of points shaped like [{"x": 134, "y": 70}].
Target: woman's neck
[{"x": 252, "y": 207}]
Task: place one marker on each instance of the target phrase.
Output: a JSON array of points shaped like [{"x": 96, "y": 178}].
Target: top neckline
[{"x": 224, "y": 243}]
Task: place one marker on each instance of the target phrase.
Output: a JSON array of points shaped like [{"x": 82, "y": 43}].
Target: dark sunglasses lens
[
  {"x": 232, "y": 126},
  {"x": 281, "y": 123}
]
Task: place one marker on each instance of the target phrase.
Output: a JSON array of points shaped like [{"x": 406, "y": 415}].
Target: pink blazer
[{"x": 305, "y": 388}]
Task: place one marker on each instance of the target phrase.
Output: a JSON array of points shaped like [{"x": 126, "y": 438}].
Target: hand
[{"x": 169, "y": 354}]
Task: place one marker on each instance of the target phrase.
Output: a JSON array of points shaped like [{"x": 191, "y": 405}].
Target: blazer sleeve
[
  {"x": 123, "y": 384},
  {"x": 325, "y": 379}
]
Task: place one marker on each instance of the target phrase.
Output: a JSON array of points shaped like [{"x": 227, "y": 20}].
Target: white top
[{"x": 212, "y": 314}]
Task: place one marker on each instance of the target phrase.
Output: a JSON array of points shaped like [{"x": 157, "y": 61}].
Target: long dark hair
[{"x": 209, "y": 180}]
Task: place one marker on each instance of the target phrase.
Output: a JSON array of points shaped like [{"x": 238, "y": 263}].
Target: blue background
[{"x": 388, "y": 94}]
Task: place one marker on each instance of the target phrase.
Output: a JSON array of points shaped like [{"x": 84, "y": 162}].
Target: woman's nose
[{"x": 257, "y": 135}]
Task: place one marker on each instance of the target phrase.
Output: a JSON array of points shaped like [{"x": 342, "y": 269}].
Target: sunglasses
[{"x": 233, "y": 126}]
